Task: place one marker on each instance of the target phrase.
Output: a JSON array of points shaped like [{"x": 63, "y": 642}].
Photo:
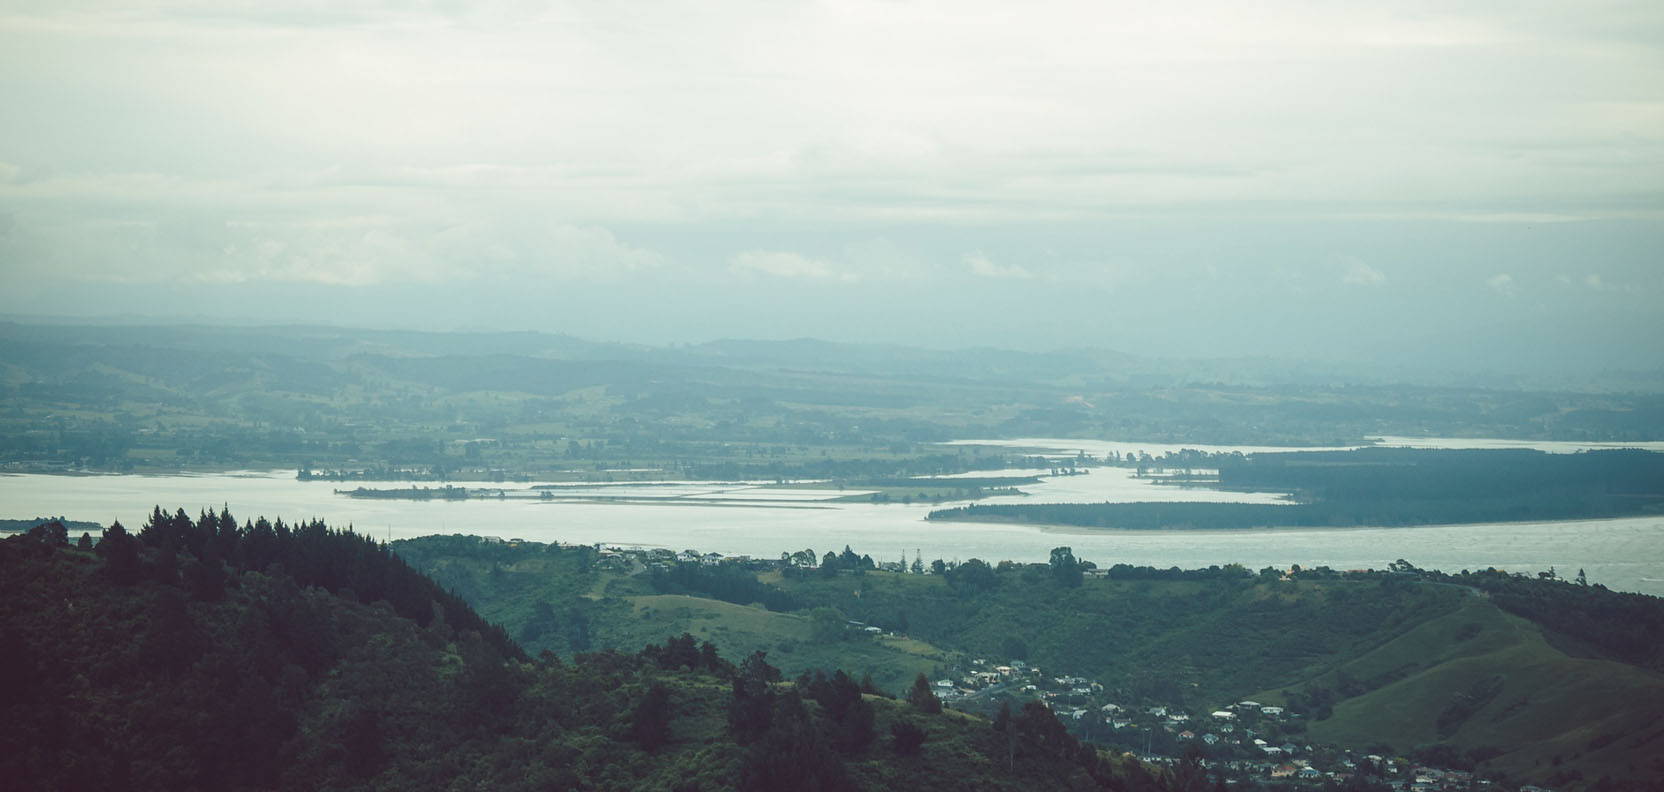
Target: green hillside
[
  {"x": 1409, "y": 663},
  {"x": 1493, "y": 687},
  {"x": 1194, "y": 642},
  {"x": 556, "y": 598},
  {"x": 158, "y": 663}
]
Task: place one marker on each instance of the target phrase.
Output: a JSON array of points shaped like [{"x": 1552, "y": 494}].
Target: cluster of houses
[
  {"x": 1339, "y": 766},
  {"x": 1245, "y": 737},
  {"x": 627, "y": 559}
]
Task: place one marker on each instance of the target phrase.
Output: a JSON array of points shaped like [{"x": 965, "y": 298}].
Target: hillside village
[
  {"x": 1242, "y": 739},
  {"x": 1246, "y": 739}
]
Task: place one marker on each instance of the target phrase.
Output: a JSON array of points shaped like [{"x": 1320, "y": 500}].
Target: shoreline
[{"x": 1078, "y": 530}]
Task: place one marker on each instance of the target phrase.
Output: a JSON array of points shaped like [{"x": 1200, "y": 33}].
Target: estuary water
[{"x": 758, "y": 520}]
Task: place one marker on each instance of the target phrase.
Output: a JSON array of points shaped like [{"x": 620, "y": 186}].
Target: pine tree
[
  {"x": 906, "y": 737},
  {"x": 751, "y": 709},
  {"x": 921, "y": 696},
  {"x": 121, "y": 555},
  {"x": 1002, "y": 724},
  {"x": 650, "y": 723}
]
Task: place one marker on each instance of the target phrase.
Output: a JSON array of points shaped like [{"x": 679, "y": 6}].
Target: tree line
[{"x": 130, "y": 678}]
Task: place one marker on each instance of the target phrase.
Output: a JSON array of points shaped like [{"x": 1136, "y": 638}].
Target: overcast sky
[{"x": 1174, "y": 178}]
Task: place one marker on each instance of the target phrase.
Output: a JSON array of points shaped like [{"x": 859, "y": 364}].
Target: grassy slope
[
  {"x": 1411, "y": 650},
  {"x": 625, "y": 614},
  {"x": 1549, "y": 704},
  {"x": 739, "y": 630},
  {"x": 1185, "y": 642}
]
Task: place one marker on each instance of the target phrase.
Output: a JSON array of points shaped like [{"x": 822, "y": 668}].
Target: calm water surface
[{"x": 1625, "y": 554}]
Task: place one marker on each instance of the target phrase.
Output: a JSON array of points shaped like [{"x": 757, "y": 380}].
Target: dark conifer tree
[
  {"x": 752, "y": 706},
  {"x": 52, "y": 532},
  {"x": 922, "y": 698},
  {"x": 906, "y": 737},
  {"x": 121, "y": 555},
  {"x": 792, "y": 755},
  {"x": 650, "y": 723}
]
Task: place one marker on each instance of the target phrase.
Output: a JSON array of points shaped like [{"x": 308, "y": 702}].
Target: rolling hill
[
  {"x": 210, "y": 656},
  {"x": 1465, "y": 672}
]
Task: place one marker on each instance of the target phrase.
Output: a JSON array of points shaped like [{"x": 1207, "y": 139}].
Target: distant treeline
[
  {"x": 205, "y": 555},
  {"x": 1385, "y": 486},
  {"x": 123, "y": 669},
  {"x": 1456, "y": 474},
  {"x": 966, "y": 482},
  {"x": 9, "y": 526},
  {"x": 411, "y": 493},
  {"x": 1624, "y": 625},
  {"x": 864, "y": 470},
  {"x": 726, "y": 582}
]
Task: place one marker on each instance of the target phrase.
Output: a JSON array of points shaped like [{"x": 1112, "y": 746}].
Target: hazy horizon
[{"x": 1410, "y": 184}]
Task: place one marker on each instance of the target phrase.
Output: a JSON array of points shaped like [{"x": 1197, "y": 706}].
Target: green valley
[{"x": 1463, "y": 671}]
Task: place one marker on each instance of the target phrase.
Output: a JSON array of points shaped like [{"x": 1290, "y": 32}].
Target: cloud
[
  {"x": 785, "y": 264},
  {"x": 1502, "y": 283},
  {"x": 984, "y": 267},
  {"x": 252, "y": 246},
  {"x": 952, "y": 113},
  {"x": 1361, "y": 274}
]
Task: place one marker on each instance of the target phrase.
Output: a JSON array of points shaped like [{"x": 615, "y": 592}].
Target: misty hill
[
  {"x": 177, "y": 660},
  {"x": 408, "y": 403}
]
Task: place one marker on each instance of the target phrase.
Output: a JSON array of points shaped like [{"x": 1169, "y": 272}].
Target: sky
[{"x": 1466, "y": 183}]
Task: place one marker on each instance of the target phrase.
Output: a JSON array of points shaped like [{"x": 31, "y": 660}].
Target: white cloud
[
  {"x": 982, "y": 266},
  {"x": 785, "y": 264},
  {"x": 1361, "y": 274},
  {"x": 932, "y": 112},
  {"x": 252, "y": 245},
  {"x": 537, "y": 144}
]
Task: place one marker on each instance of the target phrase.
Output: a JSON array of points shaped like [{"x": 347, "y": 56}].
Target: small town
[{"x": 1243, "y": 739}]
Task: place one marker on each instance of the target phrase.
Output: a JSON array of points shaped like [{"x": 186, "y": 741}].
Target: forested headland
[{"x": 1382, "y": 487}]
